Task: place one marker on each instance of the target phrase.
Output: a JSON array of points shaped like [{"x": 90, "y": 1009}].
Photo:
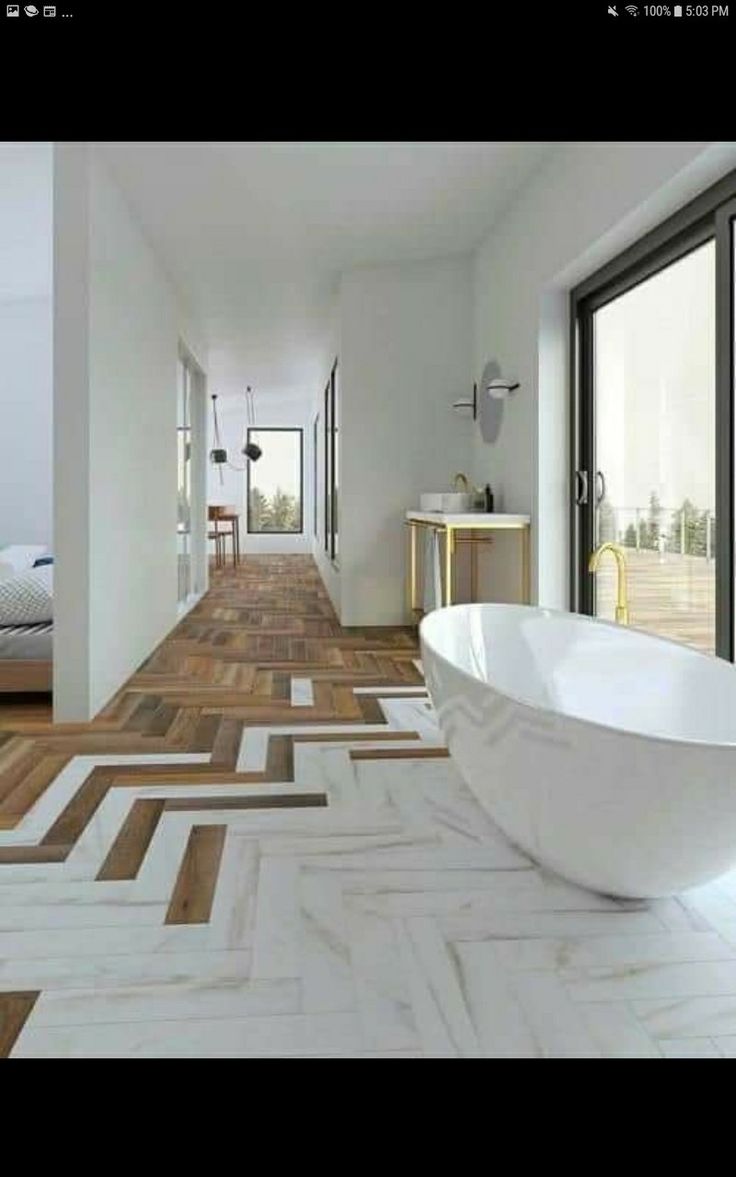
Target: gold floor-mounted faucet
[
  {"x": 622, "y": 601},
  {"x": 461, "y": 478}
]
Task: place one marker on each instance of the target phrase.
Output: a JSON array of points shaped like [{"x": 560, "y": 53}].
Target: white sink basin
[{"x": 448, "y": 502}]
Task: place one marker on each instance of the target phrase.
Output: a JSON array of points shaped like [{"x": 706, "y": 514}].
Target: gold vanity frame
[{"x": 453, "y": 539}]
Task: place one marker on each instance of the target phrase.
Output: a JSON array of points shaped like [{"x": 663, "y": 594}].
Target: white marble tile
[
  {"x": 204, "y": 998},
  {"x": 326, "y": 768},
  {"x": 626, "y": 982},
  {"x": 726, "y": 1046},
  {"x": 302, "y": 694},
  {"x": 55, "y": 942},
  {"x": 512, "y": 891},
  {"x": 498, "y": 1017},
  {"x": 327, "y": 978},
  {"x": 98, "y": 971},
  {"x": 488, "y": 924},
  {"x": 283, "y": 1035},
  {"x": 676, "y": 916},
  {"x": 413, "y": 715},
  {"x": 382, "y": 992},
  {"x": 615, "y": 1031},
  {"x": 276, "y": 939},
  {"x": 573, "y": 956},
  {"x": 232, "y": 919},
  {"x": 129, "y": 913},
  {"x": 344, "y": 846},
  {"x": 442, "y": 1018},
  {"x": 253, "y": 750},
  {"x": 556, "y": 1022},
  {"x": 688, "y": 1048},
  {"x": 423, "y": 856},
  {"x": 687, "y": 1017}
]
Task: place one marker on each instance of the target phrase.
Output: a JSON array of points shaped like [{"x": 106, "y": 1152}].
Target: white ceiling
[{"x": 255, "y": 235}]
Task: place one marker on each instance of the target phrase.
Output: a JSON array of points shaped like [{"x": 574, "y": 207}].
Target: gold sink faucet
[
  {"x": 461, "y": 478},
  {"x": 622, "y": 602}
]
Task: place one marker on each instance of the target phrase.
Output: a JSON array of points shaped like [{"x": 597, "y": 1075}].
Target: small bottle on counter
[{"x": 489, "y": 499}]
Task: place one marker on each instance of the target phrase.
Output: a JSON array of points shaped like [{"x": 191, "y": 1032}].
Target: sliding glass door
[{"x": 652, "y": 431}]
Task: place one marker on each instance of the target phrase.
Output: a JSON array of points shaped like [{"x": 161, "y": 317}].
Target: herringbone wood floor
[
  {"x": 228, "y": 665},
  {"x": 261, "y": 848}
]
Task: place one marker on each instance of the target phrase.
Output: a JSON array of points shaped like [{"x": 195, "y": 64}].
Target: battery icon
[{"x": 678, "y": 10}]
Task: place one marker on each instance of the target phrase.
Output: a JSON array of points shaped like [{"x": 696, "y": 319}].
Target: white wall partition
[
  {"x": 404, "y": 351},
  {"x": 117, "y": 330}
]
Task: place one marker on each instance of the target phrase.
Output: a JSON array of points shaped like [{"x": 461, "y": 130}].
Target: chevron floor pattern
[{"x": 260, "y": 848}]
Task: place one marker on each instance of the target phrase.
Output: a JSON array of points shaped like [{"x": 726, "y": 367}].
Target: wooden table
[{"x": 450, "y": 526}]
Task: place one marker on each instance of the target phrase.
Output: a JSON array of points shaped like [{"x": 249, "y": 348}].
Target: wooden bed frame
[{"x": 18, "y": 675}]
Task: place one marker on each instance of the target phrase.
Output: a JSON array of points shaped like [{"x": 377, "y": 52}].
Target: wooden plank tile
[
  {"x": 125, "y": 856},
  {"x": 14, "y": 1011},
  {"x": 191, "y": 901}
]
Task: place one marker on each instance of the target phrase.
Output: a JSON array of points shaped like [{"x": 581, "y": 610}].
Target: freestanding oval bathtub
[{"x": 606, "y": 754}]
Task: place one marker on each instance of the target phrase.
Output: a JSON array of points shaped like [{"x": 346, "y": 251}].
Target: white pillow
[
  {"x": 28, "y": 599},
  {"x": 18, "y": 558}
]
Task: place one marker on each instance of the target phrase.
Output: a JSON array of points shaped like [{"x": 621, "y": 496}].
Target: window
[
  {"x": 652, "y": 416},
  {"x": 275, "y": 482}
]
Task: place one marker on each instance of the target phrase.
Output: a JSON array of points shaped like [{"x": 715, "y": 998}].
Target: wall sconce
[
  {"x": 469, "y": 404},
  {"x": 499, "y": 388}
]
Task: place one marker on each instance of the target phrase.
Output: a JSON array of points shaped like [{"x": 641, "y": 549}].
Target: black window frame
[
  {"x": 277, "y": 429},
  {"x": 710, "y": 216}
]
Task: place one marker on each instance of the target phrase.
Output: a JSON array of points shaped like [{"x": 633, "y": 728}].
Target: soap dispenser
[{"x": 488, "y": 499}]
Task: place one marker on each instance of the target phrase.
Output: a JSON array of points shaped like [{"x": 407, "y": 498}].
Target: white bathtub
[{"x": 608, "y": 755}]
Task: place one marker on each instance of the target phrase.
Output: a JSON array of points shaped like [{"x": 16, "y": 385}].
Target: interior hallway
[{"x": 260, "y": 848}]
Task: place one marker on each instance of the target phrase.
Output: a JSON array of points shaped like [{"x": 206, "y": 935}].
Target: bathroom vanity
[{"x": 454, "y": 531}]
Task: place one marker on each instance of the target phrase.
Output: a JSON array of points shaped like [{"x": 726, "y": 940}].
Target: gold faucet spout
[
  {"x": 622, "y": 600},
  {"x": 461, "y": 478}
]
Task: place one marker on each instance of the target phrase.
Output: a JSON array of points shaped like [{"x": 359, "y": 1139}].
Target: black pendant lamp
[{"x": 218, "y": 455}]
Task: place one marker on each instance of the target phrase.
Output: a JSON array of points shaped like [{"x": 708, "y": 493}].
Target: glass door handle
[
  {"x": 581, "y": 487},
  {"x": 601, "y": 487}
]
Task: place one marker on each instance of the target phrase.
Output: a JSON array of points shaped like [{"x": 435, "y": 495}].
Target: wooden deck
[{"x": 669, "y": 595}]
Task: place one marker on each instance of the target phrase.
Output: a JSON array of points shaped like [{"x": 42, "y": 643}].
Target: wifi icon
[{"x": 632, "y": 9}]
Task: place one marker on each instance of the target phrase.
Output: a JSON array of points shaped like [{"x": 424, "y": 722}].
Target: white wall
[
  {"x": 26, "y": 434},
  {"x": 273, "y": 410},
  {"x": 586, "y": 204},
  {"x": 25, "y": 343},
  {"x": 117, "y": 332},
  {"x": 405, "y": 344}
]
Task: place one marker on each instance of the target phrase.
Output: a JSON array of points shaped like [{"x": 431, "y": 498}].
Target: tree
[
  {"x": 655, "y": 515},
  {"x": 284, "y": 513},
  {"x": 260, "y": 511},
  {"x": 630, "y": 536}
]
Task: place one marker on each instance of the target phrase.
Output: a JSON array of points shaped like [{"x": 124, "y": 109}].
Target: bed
[
  {"x": 26, "y": 625},
  {"x": 26, "y": 657}
]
